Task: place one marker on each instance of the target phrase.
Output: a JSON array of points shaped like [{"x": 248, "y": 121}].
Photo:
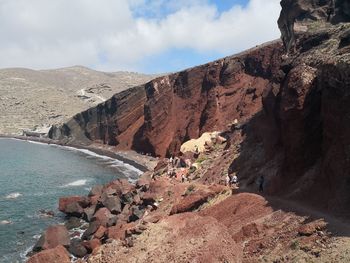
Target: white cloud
[{"x": 106, "y": 34}]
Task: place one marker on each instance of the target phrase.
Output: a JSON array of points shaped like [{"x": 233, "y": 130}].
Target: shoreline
[{"x": 138, "y": 161}]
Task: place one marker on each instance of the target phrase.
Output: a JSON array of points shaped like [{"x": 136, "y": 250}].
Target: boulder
[
  {"x": 73, "y": 205},
  {"x": 112, "y": 203},
  {"x": 93, "y": 226},
  {"x": 96, "y": 190},
  {"x": 104, "y": 217},
  {"x": 77, "y": 248},
  {"x": 94, "y": 199},
  {"x": 54, "y": 255},
  {"x": 89, "y": 213},
  {"x": 74, "y": 209},
  {"x": 90, "y": 245},
  {"x": 101, "y": 231},
  {"x": 136, "y": 213},
  {"x": 72, "y": 222},
  {"x": 53, "y": 236}
]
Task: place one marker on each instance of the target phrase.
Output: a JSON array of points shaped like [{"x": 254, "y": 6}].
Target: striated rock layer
[{"x": 159, "y": 116}]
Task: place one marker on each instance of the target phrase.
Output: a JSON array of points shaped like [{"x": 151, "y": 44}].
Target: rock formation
[{"x": 208, "y": 97}]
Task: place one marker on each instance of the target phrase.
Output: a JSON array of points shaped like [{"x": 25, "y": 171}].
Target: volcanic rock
[
  {"x": 104, "y": 217},
  {"x": 54, "y": 255},
  {"x": 93, "y": 227},
  {"x": 77, "y": 248},
  {"x": 53, "y": 236},
  {"x": 72, "y": 222}
]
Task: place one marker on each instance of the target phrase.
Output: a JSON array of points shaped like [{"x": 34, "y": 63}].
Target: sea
[{"x": 32, "y": 178}]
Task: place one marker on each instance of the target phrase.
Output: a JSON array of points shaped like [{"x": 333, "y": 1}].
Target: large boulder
[
  {"x": 104, "y": 217},
  {"x": 93, "y": 226},
  {"x": 53, "y": 236},
  {"x": 77, "y": 248},
  {"x": 89, "y": 213},
  {"x": 72, "y": 222},
  {"x": 112, "y": 203},
  {"x": 54, "y": 255},
  {"x": 73, "y": 205},
  {"x": 96, "y": 190},
  {"x": 92, "y": 244}
]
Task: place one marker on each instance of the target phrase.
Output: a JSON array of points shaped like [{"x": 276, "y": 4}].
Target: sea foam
[
  {"x": 76, "y": 183},
  {"x": 13, "y": 195}
]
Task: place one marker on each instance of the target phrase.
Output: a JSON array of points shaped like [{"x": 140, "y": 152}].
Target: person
[
  {"x": 261, "y": 183},
  {"x": 234, "y": 180},
  {"x": 183, "y": 178}
]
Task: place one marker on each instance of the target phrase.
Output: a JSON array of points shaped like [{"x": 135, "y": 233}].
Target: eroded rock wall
[{"x": 159, "y": 116}]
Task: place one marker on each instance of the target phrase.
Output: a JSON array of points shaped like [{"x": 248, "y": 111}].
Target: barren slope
[{"x": 31, "y": 98}]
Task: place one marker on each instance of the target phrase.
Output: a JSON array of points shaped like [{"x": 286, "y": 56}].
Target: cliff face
[
  {"x": 301, "y": 139},
  {"x": 159, "y": 116}
]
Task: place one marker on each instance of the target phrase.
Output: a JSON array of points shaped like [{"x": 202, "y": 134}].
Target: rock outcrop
[
  {"x": 304, "y": 15},
  {"x": 208, "y": 97}
]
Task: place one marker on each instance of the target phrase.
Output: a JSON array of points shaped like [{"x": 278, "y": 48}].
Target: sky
[{"x": 148, "y": 36}]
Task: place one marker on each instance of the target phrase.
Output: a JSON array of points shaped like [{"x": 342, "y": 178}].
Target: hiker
[
  {"x": 234, "y": 180},
  {"x": 183, "y": 178},
  {"x": 261, "y": 181}
]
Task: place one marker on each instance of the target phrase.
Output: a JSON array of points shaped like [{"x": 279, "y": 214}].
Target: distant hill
[{"x": 37, "y": 98}]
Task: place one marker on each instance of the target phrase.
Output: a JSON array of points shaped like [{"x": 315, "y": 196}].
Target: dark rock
[
  {"x": 93, "y": 226},
  {"x": 345, "y": 39},
  {"x": 136, "y": 213},
  {"x": 89, "y": 213},
  {"x": 113, "y": 204},
  {"x": 72, "y": 222},
  {"x": 77, "y": 248}
]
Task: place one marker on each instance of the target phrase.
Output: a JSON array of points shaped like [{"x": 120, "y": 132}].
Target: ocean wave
[
  {"x": 6, "y": 222},
  {"x": 80, "y": 182},
  {"x": 114, "y": 162},
  {"x": 40, "y": 143},
  {"x": 13, "y": 195}
]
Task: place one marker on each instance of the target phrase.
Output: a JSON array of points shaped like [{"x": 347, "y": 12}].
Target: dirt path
[{"x": 337, "y": 225}]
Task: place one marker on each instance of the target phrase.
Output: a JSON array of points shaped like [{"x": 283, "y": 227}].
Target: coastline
[{"x": 138, "y": 161}]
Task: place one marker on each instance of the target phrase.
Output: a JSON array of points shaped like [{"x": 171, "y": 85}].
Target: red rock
[
  {"x": 96, "y": 190},
  {"x": 54, "y": 255},
  {"x": 94, "y": 199},
  {"x": 90, "y": 245},
  {"x": 73, "y": 204},
  {"x": 104, "y": 217},
  {"x": 53, "y": 236},
  {"x": 100, "y": 232},
  {"x": 191, "y": 202},
  {"x": 120, "y": 230},
  {"x": 312, "y": 227}
]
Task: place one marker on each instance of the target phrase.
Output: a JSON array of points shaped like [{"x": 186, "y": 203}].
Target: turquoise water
[{"x": 33, "y": 177}]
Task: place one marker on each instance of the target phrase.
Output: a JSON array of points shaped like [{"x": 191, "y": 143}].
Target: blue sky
[{"x": 150, "y": 36}]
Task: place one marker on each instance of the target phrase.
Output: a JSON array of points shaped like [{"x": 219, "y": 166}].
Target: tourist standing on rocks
[
  {"x": 261, "y": 183},
  {"x": 234, "y": 180}
]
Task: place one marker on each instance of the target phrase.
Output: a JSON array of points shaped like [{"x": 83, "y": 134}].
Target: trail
[{"x": 337, "y": 225}]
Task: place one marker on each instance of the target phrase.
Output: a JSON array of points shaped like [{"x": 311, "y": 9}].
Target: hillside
[
  {"x": 30, "y": 98},
  {"x": 279, "y": 120}
]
